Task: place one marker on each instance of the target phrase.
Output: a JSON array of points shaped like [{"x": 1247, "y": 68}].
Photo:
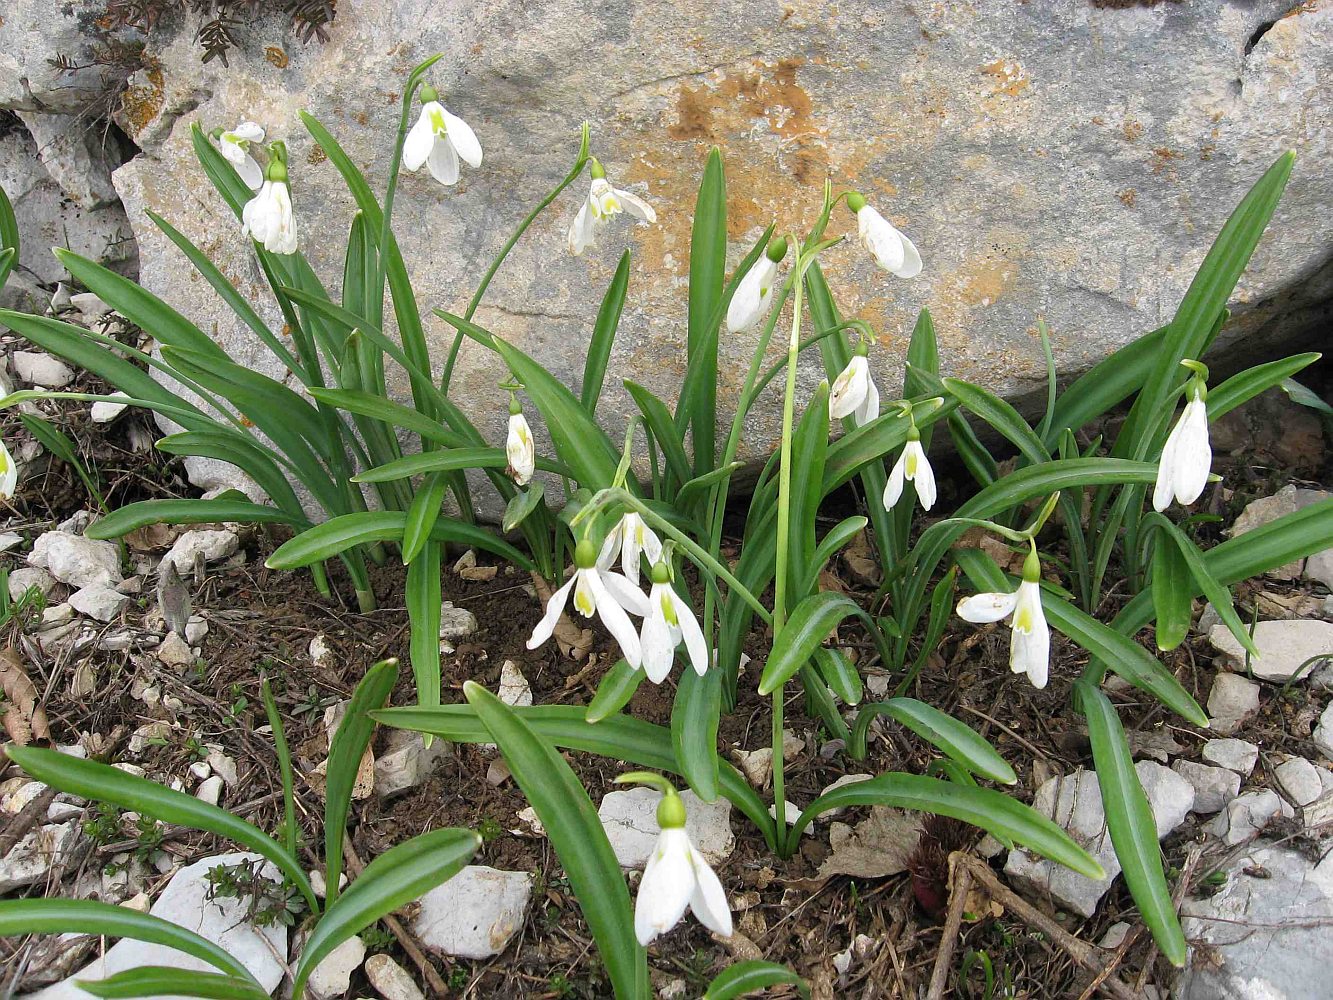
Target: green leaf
[
  {"x": 983, "y": 807},
  {"x": 809, "y": 450},
  {"x": 1298, "y": 393},
  {"x": 1104, "y": 386},
  {"x": 619, "y": 737},
  {"x": 1217, "y": 594},
  {"x": 829, "y": 546},
  {"x": 1130, "y": 821},
  {"x": 698, "y": 487},
  {"x": 443, "y": 460},
  {"x": 1171, "y": 596},
  {"x": 751, "y": 976},
  {"x": 158, "y": 981},
  {"x": 839, "y": 674},
  {"x": 708, "y": 264},
  {"x": 616, "y": 688},
  {"x": 367, "y": 404},
  {"x": 959, "y": 741},
  {"x": 338, "y": 534},
  {"x": 9, "y": 237},
  {"x": 1244, "y": 386},
  {"x": 135, "y": 515},
  {"x": 395, "y": 878},
  {"x": 810, "y": 623},
  {"x": 658, "y": 419},
  {"x": 422, "y": 514},
  {"x": 1001, "y": 416},
  {"x": 603, "y": 335},
  {"x": 521, "y": 505},
  {"x": 345, "y": 752},
  {"x": 423, "y": 596},
  {"x": 102, "y": 783},
  {"x": 20, "y": 917},
  {"x": 575, "y": 832},
  {"x": 229, "y": 445},
  {"x": 694, "y": 721}
]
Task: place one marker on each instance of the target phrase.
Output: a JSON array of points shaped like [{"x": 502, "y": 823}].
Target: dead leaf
[
  {"x": 173, "y": 596},
  {"x": 878, "y": 846},
  {"x": 860, "y": 559},
  {"x": 24, "y": 718},
  {"x": 828, "y": 580},
  {"x": 573, "y": 641},
  {"x": 1005, "y": 556},
  {"x": 151, "y": 537}
]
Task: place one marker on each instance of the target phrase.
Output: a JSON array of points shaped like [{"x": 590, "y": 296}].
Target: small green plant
[
  {"x": 489, "y": 829},
  {"x": 268, "y": 901},
  {"x": 103, "y": 826}
]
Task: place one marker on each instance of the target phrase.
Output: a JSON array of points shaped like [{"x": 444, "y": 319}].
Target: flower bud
[
  {"x": 777, "y": 249},
  {"x": 585, "y": 554},
  {"x": 670, "y": 812}
]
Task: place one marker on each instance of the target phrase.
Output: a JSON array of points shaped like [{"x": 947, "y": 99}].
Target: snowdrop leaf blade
[
  {"x": 125, "y": 519},
  {"x": 1171, "y": 597},
  {"x": 809, "y": 625},
  {"x": 9, "y": 237},
  {"x": 746, "y": 978},
  {"x": 1001, "y": 416},
  {"x": 521, "y": 505},
  {"x": 829, "y": 546},
  {"x": 604, "y": 335},
  {"x": 157, "y": 980},
  {"x": 708, "y": 263},
  {"x": 838, "y": 673},
  {"x": 993, "y": 811},
  {"x": 1130, "y": 821},
  {"x": 575, "y": 832},
  {"x": 664, "y": 430},
  {"x": 808, "y": 452},
  {"x": 614, "y": 691},
  {"x": 957, "y": 740},
  {"x": 1244, "y": 386},
  {"x": 694, "y": 722},
  {"x": 338, "y": 534},
  {"x": 1212, "y": 589}
]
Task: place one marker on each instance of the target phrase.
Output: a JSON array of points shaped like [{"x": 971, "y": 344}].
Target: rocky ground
[{"x": 90, "y": 664}]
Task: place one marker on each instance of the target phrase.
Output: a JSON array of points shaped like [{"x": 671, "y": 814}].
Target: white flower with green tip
[
  {"x": 596, "y": 591},
  {"x": 439, "y": 140},
  {"x": 669, "y": 621},
  {"x": 602, "y": 204},
  {"x": 1030, "y": 637}
]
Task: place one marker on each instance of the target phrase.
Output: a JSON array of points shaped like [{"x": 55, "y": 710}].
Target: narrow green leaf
[
  {"x": 1244, "y": 386},
  {"x": 102, "y": 783},
  {"x": 9, "y": 237},
  {"x": 345, "y": 751},
  {"x": 575, "y": 832},
  {"x": 1105, "y": 385},
  {"x": 959, "y": 741},
  {"x": 1171, "y": 596},
  {"x": 603, "y": 335},
  {"x": 990, "y": 810},
  {"x": 227, "y": 444},
  {"x": 694, "y": 722},
  {"x": 829, "y": 546},
  {"x": 442, "y": 460},
  {"x": 390, "y": 412},
  {"x": 658, "y": 419},
  {"x": 338, "y": 534},
  {"x": 708, "y": 264},
  {"x": 135, "y": 515},
  {"x": 85, "y": 916},
  {"x": 1130, "y": 821},
  {"x": 159, "y": 981},
  {"x": 839, "y": 674},
  {"x": 614, "y": 691},
  {"x": 748, "y": 977},
  {"x": 809, "y": 625},
  {"x": 522, "y": 504},
  {"x": 393, "y": 879},
  {"x": 422, "y": 594}
]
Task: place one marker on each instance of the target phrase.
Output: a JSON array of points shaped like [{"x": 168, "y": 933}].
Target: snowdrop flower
[
  {"x": 892, "y": 251},
  {"x": 669, "y": 620},
  {"x": 1030, "y": 639},
  {"x": 607, "y": 594},
  {"x": 631, "y": 538},
  {"x": 602, "y": 203},
  {"x": 235, "y": 147},
  {"x": 9, "y": 474},
  {"x": 677, "y": 878},
  {"x": 854, "y": 394},
  {"x": 1182, "y": 471},
  {"x": 519, "y": 448},
  {"x": 440, "y": 140},
  {"x": 749, "y": 305},
  {"x": 912, "y": 466},
  {"x": 267, "y": 217}
]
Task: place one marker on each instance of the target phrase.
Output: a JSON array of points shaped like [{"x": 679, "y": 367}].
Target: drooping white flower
[
  {"x": 9, "y": 473},
  {"x": 439, "y": 140},
  {"x": 519, "y": 449},
  {"x": 603, "y": 592},
  {"x": 675, "y": 879},
  {"x": 267, "y": 217},
  {"x": 750, "y": 303},
  {"x": 853, "y": 393},
  {"x": 1187, "y": 457},
  {"x": 603, "y": 202},
  {"x": 235, "y": 147},
  {"x": 631, "y": 537},
  {"x": 912, "y": 466},
  {"x": 1030, "y": 638},
  {"x": 892, "y": 251},
  {"x": 669, "y": 620}
]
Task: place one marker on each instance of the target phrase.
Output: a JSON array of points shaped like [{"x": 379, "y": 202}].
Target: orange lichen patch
[
  {"x": 140, "y": 105},
  {"x": 975, "y": 284},
  {"x": 316, "y": 156},
  {"x": 1128, "y": 196},
  {"x": 1162, "y": 159},
  {"x": 276, "y": 56},
  {"x": 1131, "y": 129},
  {"x": 1011, "y": 77}
]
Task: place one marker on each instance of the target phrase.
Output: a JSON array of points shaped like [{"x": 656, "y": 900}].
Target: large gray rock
[
  {"x": 1287, "y": 649},
  {"x": 1068, "y": 160},
  {"x": 1262, "y": 938},
  {"x": 33, "y": 35}
]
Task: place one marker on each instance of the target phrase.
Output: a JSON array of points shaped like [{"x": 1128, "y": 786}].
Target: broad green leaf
[
  {"x": 1218, "y": 595},
  {"x": 694, "y": 721},
  {"x": 159, "y": 981},
  {"x": 345, "y": 751},
  {"x": 1105, "y": 385},
  {"x": 809, "y": 449},
  {"x": 1130, "y": 821},
  {"x": 708, "y": 264},
  {"x": 523, "y": 503},
  {"x": 229, "y": 445},
  {"x": 698, "y": 487},
  {"x": 748, "y": 977},
  {"x": 829, "y": 546},
  {"x": 614, "y": 691},
  {"x": 839, "y": 674},
  {"x": 126, "y": 519},
  {"x": 339, "y": 534},
  {"x": 960, "y": 742},
  {"x": 810, "y": 623},
  {"x": 423, "y": 513},
  {"x": 367, "y": 404},
  {"x": 990, "y": 810},
  {"x": 576, "y": 833},
  {"x": 1171, "y": 598},
  {"x": 1301, "y": 394},
  {"x": 443, "y": 460},
  {"x": 618, "y": 737},
  {"x": 86, "y": 916},
  {"x": 604, "y": 335},
  {"x": 393, "y": 879},
  {"x": 102, "y": 783},
  {"x": 1001, "y": 416}
]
